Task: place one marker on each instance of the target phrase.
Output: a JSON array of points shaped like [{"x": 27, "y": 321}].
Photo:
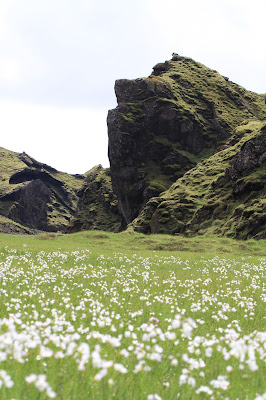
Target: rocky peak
[{"x": 166, "y": 123}]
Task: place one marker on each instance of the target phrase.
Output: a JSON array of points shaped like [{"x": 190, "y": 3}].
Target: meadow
[{"x": 96, "y": 315}]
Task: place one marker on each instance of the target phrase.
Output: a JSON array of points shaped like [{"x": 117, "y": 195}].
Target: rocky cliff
[
  {"x": 36, "y": 195},
  {"x": 177, "y": 165},
  {"x": 165, "y": 124}
]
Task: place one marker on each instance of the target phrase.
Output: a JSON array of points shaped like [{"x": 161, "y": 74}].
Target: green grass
[
  {"x": 126, "y": 316},
  {"x": 107, "y": 242}
]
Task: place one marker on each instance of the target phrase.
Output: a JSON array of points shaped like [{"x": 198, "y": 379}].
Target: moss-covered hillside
[
  {"x": 224, "y": 194},
  {"x": 165, "y": 124},
  {"x": 34, "y": 194},
  {"x": 187, "y": 151},
  {"x": 97, "y": 206}
]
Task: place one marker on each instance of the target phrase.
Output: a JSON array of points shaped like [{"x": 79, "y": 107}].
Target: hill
[
  {"x": 187, "y": 153},
  {"x": 34, "y": 194},
  {"x": 180, "y": 149}
]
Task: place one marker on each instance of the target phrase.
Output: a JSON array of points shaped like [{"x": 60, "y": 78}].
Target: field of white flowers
[{"x": 77, "y": 326}]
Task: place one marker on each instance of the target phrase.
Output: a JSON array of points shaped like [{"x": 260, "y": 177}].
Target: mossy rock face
[
  {"x": 11, "y": 227},
  {"x": 223, "y": 195},
  {"x": 97, "y": 206},
  {"x": 166, "y": 123},
  {"x": 36, "y": 195}
]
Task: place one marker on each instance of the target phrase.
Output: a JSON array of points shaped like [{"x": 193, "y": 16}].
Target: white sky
[{"x": 59, "y": 60}]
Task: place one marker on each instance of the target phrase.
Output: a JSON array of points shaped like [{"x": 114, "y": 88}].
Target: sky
[{"x": 59, "y": 60}]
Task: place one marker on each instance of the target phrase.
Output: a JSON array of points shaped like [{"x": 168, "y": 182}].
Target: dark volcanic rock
[
  {"x": 97, "y": 206},
  {"x": 224, "y": 195},
  {"x": 35, "y": 194},
  {"x": 30, "y": 206},
  {"x": 28, "y": 174},
  {"x": 166, "y": 123},
  {"x": 251, "y": 156},
  {"x": 11, "y": 227},
  {"x": 31, "y": 162}
]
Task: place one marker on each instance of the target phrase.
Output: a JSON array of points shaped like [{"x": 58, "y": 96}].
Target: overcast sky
[{"x": 59, "y": 60}]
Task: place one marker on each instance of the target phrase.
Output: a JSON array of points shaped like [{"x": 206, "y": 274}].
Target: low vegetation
[{"x": 127, "y": 316}]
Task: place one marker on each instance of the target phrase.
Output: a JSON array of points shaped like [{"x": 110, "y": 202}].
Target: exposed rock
[
  {"x": 31, "y": 162},
  {"x": 11, "y": 227},
  {"x": 28, "y": 174},
  {"x": 30, "y": 205},
  {"x": 166, "y": 123},
  {"x": 251, "y": 156},
  {"x": 97, "y": 206},
  {"x": 223, "y": 195},
  {"x": 35, "y": 194},
  {"x": 159, "y": 68}
]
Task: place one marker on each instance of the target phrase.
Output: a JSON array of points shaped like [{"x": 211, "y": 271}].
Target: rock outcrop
[
  {"x": 97, "y": 205},
  {"x": 224, "y": 194},
  {"x": 11, "y": 227},
  {"x": 36, "y": 195},
  {"x": 165, "y": 124}
]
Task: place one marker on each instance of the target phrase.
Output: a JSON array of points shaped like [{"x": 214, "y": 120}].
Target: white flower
[
  {"x": 191, "y": 381},
  {"x": 208, "y": 351},
  {"x": 220, "y": 382},
  {"x": 45, "y": 352},
  {"x": 100, "y": 375},
  {"x": 261, "y": 396},
  {"x": 50, "y": 393},
  {"x": 176, "y": 323},
  {"x": 204, "y": 389},
  {"x": 120, "y": 368},
  {"x": 41, "y": 384},
  {"x": 5, "y": 379},
  {"x": 154, "y": 397},
  {"x": 31, "y": 378}
]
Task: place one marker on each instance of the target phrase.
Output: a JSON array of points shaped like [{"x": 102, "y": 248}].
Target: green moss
[
  {"x": 203, "y": 200},
  {"x": 98, "y": 206},
  {"x": 63, "y": 200},
  {"x": 135, "y": 112},
  {"x": 11, "y": 227}
]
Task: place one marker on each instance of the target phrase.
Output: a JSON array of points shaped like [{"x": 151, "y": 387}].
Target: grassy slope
[
  {"x": 196, "y": 86},
  {"x": 107, "y": 243},
  {"x": 205, "y": 188},
  {"x": 202, "y": 96},
  {"x": 10, "y": 163}
]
